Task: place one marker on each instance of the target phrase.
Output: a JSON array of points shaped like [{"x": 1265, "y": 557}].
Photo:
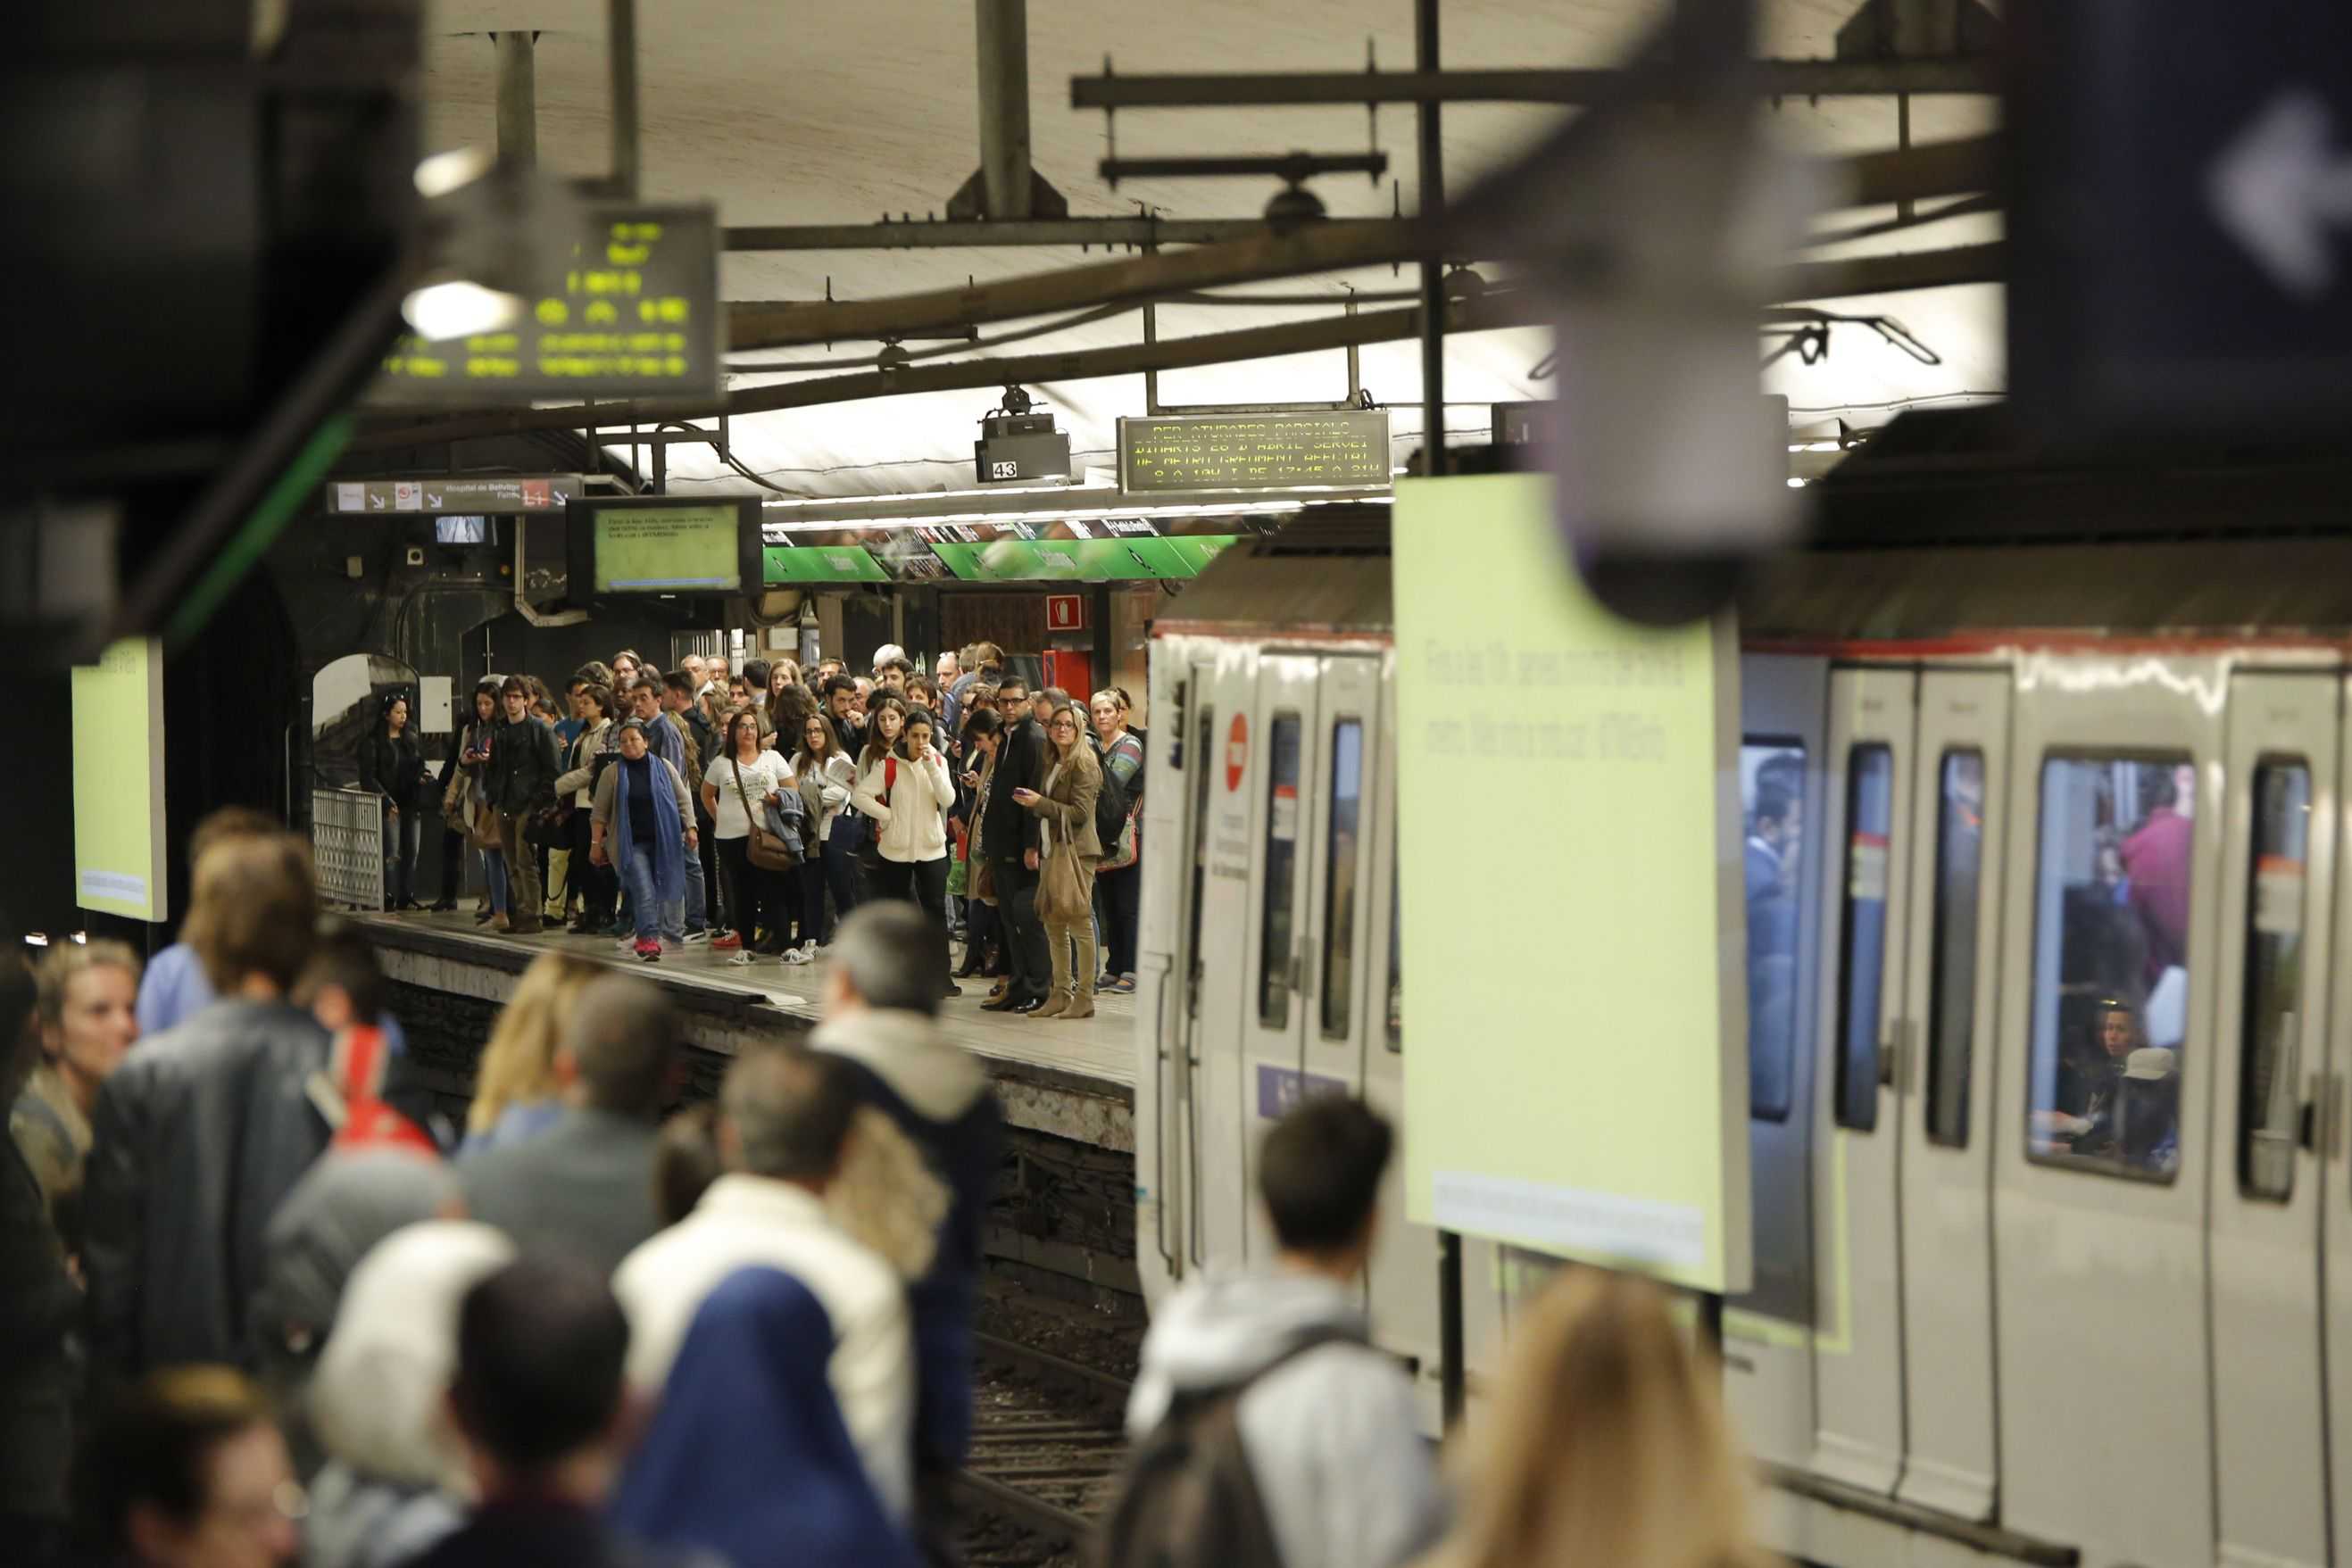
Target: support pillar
[{"x": 518, "y": 100}]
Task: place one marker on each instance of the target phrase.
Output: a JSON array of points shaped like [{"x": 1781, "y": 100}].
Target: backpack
[
  {"x": 1189, "y": 1498},
  {"x": 692, "y": 752},
  {"x": 1110, "y": 811}
]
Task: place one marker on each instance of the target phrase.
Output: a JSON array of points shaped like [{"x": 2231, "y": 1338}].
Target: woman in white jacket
[
  {"x": 907, "y": 792},
  {"x": 826, "y": 778}
]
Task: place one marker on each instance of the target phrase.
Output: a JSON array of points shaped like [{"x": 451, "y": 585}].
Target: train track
[{"x": 1047, "y": 1447}]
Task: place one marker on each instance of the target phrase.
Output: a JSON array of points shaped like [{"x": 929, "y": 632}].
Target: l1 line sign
[{"x": 1575, "y": 1064}]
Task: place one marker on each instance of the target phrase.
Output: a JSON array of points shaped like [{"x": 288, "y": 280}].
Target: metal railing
[{"x": 347, "y": 846}]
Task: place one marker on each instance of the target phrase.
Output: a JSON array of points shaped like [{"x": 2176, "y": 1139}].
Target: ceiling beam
[
  {"x": 1516, "y": 307},
  {"x": 1772, "y": 79},
  {"x": 953, "y": 234}
]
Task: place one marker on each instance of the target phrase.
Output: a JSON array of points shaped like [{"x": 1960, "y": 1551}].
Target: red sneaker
[
  {"x": 648, "y": 952},
  {"x": 727, "y": 943}
]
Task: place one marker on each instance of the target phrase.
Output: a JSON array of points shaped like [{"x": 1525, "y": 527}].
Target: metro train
[{"x": 2052, "y": 1197}]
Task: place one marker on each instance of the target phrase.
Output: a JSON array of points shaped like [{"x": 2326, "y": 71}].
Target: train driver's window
[
  {"x": 1862, "y": 961},
  {"x": 1772, "y": 798},
  {"x": 2111, "y": 962},
  {"x": 1339, "y": 979},
  {"x": 1952, "y": 996},
  {"x": 1281, "y": 872},
  {"x": 2270, "y": 1092}
]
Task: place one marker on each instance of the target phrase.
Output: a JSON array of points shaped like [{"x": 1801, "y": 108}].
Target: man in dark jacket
[
  {"x": 1008, "y": 836},
  {"x": 523, "y": 766},
  {"x": 881, "y": 1003},
  {"x": 205, "y": 1128},
  {"x": 39, "y": 1304},
  {"x": 584, "y": 1187}
]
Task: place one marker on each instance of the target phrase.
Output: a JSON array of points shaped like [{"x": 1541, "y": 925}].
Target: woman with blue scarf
[
  {"x": 748, "y": 1456},
  {"x": 642, "y": 825}
]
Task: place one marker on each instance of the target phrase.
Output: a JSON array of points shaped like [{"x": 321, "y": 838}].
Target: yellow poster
[
  {"x": 1575, "y": 1071},
  {"x": 118, "y": 781}
]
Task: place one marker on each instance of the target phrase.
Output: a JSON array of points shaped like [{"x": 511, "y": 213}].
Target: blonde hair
[
  {"x": 1606, "y": 1444},
  {"x": 518, "y": 1064},
  {"x": 64, "y": 961},
  {"x": 883, "y": 1193}
]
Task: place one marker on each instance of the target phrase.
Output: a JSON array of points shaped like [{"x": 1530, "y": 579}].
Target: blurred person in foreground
[
  {"x": 345, "y": 989},
  {"x": 841, "y": 1203},
  {"x": 186, "y": 1470},
  {"x": 748, "y": 1455},
  {"x": 881, "y": 1019},
  {"x": 395, "y": 1478},
  {"x": 39, "y": 1304},
  {"x": 205, "y": 1128},
  {"x": 1606, "y": 1443},
  {"x": 174, "y": 988},
  {"x": 86, "y": 998},
  {"x": 584, "y": 1185},
  {"x": 517, "y": 1094},
  {"x": 1337, "y": 1474},
  {"x": 537, "y": 1400}
]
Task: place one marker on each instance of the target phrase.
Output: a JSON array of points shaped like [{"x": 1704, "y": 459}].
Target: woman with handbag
[
  {"x": 392, "y": 765},
  {"x": 735, "y": 788},
  {"x": 591, "y": 749},
  {"x": 482, "y": 817},
  {"x": 884, "y": 720},
  {"x": 910, "y": 795},
  {"x": 1119, "y": 877},
  {"x": 826, "y": 778},
  {"x": 1068, "y": 853}
]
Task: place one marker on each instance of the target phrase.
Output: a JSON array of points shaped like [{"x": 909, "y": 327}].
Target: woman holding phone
[
  {"x": 1065, "y": 808},
  {"x": 906, "y": 791}
]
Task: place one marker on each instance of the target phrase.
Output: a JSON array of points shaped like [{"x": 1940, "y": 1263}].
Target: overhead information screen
[
  {"x": 1254, "y": 451},
  {"x": 655, "y": 545},
  {"x": 630, "y": 311},
  {"x": 1588, "y": 1097}
]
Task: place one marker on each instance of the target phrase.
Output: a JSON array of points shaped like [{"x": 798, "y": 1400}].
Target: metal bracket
[{"x": 1152, "y": 405}]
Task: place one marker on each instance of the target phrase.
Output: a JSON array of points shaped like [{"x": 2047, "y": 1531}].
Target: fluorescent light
[
  {"x": 446, "y": 172},
  {"x": 1796, "y": 484},
  {"x": 81, "y": 938},
  {"x": 440, "y": 311},
  {"x": 36, "y": 939}
]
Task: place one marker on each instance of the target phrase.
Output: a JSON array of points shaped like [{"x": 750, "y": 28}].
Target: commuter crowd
[
  {"x": 754, "y": 809},
  {"x": 260, "y": 1304}
]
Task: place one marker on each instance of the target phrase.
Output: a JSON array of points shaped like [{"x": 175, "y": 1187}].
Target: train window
[
  {"x": 1339, "y": 891},
  {"x": 1202, "y": 752},
  {"x": 1952, "y": 976},
  {"x": 1862, "y": 966},
  {"x": 2270, "y": 1094},
  {"x": 1281, "y": 871},
  {"x": 2110, "y": 964},
  {"x": 1772, "y": 795}
]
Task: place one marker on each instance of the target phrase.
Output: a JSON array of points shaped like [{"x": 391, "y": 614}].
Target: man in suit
[
  {"x": 1009, "y": 837},
  {"x": 584, "y": 1187}
]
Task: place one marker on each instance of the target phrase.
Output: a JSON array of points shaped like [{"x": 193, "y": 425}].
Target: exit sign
[{"x": 1065, "y": 612}]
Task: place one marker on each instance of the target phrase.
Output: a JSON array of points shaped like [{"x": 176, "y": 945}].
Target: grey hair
[
  {"x": 892, "y": 954},
  {"x": 623, "y": 1037}
]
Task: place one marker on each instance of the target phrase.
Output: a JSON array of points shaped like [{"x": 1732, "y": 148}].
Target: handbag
[
  {"x": 983, "y": 882},
  {"x": 766, "y": 851},
  {"x": 869, "y": 851},
  {"x": 549, "y": 827},
  {"x": 1061, "y": 891},
  {"x": 1122, "y": 855}
]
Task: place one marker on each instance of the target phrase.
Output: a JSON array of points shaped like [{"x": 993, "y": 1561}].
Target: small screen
[
  {"x": 668, "y": 549},
  {"x": 461, "y": 530}
]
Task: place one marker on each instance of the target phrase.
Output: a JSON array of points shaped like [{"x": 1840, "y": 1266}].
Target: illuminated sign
[
  {"x": 471, "y": 496},
  {"x": 820, "y": 563},
  {"x": 118, "y": 781},
  {"x": 1082, "y": 561},
  {"x": 1254, "y": 451},
  {"x": 632, "y": 311}
]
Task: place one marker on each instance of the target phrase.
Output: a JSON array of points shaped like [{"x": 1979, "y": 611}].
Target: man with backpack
[{"x": 1269, "y": 1432}]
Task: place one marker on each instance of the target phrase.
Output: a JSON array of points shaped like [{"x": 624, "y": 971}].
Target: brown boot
[
  {"x": 1056, "y": 1005},
  {"x": 1082, "y": 1006}
]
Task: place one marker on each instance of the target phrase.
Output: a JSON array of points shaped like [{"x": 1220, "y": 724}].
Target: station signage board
[
  {"x": 1620, "y": 1136},
  {"x": 462, "y": 495},
  {"x": 118, "y": 781},
  {"x": 820, "y": 563},
  {"x": 1169, "y": 452},
  {"x": 1082, "y": 561},
  {"x": 628, "y": 310}
]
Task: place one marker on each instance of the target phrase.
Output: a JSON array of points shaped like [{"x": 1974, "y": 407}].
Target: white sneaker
[
  {"x": 693, "y": 937},
  {"x": 799, "y": 956},
  {"x": 626, "y": 945},
  {"x": 740, "y": 959}
]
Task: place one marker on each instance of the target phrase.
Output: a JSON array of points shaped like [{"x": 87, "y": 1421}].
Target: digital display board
[
  {"x": 655, "y": 544},
  {"x": 629, "y": 309},
  {"x": 118, "y": 781},
  {"x": 1254, "y": 451},
  {"x": 1616, "y": 1135}
]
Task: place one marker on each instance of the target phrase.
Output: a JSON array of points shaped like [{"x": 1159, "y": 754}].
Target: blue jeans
[
  {"x": 494, "y": 869},
  {"x": 697, "y": 902},
  {"x": 840, "y": 864},
  {"x": 654, "y": 919},
  {"x": 401, "y": 836}
]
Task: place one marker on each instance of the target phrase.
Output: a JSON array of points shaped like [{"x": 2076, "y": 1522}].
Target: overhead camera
[{"x": 1015, "y": 444}]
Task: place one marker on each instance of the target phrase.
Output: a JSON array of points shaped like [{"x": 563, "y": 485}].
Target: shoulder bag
[{"x": 766, "y": 851}]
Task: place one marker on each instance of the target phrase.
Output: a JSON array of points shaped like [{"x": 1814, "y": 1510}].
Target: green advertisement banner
[
  {"x": 820, "y": 563},
  {"x": 1082, "y": 561}
]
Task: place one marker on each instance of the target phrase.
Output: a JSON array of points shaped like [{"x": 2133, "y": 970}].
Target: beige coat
[{"x": 1069, "y": 805}]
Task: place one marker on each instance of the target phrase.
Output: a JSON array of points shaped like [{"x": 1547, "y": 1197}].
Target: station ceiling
[{"x": 807, "y": 111}]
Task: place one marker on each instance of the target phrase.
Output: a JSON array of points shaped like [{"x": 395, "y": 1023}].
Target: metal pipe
[
  {"x": 953, "y": 234},
  {"x": 1772, "y": 79},
  {"x": 1517, "y": 307},
  {"x": 1004, "y": 106},
  {"x": 1454, "y": 1384},
  {"x": 1431, "y": 153},
  {"x": 621, "y": 58},
  {"x": 518, "y": 100}
]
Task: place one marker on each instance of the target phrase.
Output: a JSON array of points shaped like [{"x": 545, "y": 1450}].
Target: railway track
[{"x": 1045, "y": 1454}]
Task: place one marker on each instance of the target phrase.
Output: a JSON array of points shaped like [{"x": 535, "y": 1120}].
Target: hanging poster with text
[
  {"x": 118, "y": 781},
  {"x": 1575, "y": 1066}
]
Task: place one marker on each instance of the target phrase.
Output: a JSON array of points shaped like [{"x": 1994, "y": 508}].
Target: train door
[
  {"x": 1278, "y": 777},
  {"x": 2269, "y": 1024},
  {"x": 1769, "y": 1382},
  {"x": 2101, "y": 1135},
  {"x": 1858, "y": 1345},
  {"x": 1227, "y": 716},
  {"x": 1175, "y": 847},
  {"x": 1945, "y": 1080},
  {"x": 2336, "y": 1183}
]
